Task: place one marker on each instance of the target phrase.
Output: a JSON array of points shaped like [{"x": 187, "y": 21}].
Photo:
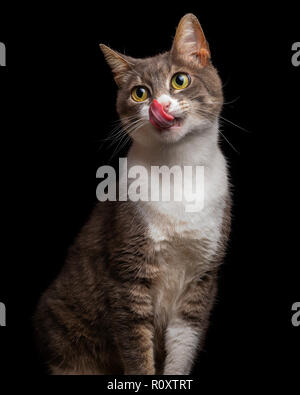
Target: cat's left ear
[
  {"x": 190, "y": 41},
  {"x": 119, "y": 64}
]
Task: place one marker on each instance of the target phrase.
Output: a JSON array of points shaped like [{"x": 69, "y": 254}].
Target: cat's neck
[{"x": 197, "y": 148}]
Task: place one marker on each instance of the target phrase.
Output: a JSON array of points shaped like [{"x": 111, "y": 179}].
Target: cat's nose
[
  {"x": 165, "y": 103},
  {"x": 159, "y": 117},
  {"x": 166, "y": 106}
]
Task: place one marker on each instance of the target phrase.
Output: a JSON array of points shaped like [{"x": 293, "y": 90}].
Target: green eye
[
  {"x": 139, "y": 93},
  {"x": 180, "y": 81}
]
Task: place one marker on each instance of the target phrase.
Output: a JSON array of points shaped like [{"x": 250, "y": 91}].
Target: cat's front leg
[
  {"x": 187, "y": 328},
  {"x": 133, "y": 328},
  {"x": 181, "y": 344}
]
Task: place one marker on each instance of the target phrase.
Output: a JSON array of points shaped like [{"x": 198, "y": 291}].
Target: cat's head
[{"x": 165, "y": 97}]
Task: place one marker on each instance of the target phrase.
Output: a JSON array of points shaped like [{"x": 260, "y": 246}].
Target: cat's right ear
[
  {"x": 190, "y": 41},
  {"x": 119, "y": 64}
]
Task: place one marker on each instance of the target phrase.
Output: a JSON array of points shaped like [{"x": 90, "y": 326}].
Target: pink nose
[{"x": 166, "y": 105}]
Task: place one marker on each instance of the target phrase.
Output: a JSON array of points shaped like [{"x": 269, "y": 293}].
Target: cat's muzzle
[{"x": 159, "y": 118}]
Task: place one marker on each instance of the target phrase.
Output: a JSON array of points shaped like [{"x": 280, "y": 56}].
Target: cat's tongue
[{"x": 158, "y": 117}]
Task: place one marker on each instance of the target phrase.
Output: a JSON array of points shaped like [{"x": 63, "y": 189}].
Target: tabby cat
[{"x": 136, "y": 291}]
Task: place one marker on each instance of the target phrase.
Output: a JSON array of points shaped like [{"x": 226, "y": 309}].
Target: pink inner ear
[
  {"x": 189, "y": 35},
  {"x": 188, "y": 39}
]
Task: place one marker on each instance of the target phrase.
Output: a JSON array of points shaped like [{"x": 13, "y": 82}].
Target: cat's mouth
[
  {"x": 177, "y": 123},
  {"x": 162, "y": 120}
]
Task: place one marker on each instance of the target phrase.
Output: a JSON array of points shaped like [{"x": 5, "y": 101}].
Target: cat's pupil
[
  {"x": 140, "y": 92},
  {"x": 179, "y": 79}
]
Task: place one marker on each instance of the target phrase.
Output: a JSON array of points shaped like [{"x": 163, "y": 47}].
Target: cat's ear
[
  {"x": 119, "y": 64},
  {"x": 190, "y": 41}
]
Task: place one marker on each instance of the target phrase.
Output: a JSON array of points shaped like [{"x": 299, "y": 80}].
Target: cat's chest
[
  {"x": 179, "y": 235},
  {"x": 180, "y": 261},
  {"x": 184, "y": 249}
]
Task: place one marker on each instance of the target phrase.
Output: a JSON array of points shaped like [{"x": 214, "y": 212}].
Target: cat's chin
[
  {"x": 178, "y": 122},
  {"x": 150, "y": 136},
  {"x": 181, "y": 129},
  {"x": 172, "y": 134}
]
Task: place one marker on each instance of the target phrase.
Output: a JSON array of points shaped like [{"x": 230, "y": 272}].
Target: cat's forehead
[{"x": 154, "y": 70}]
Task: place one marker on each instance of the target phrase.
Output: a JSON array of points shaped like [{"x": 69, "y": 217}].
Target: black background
[{"x": 58, "y": 104}]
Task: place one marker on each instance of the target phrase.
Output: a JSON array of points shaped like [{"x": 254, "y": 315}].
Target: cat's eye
[
  {"x": 180, "y": 81},
  {"x": 139, "y": 93}
]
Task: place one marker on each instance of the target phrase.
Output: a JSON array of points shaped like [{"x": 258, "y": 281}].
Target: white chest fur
[
  {"x": 184, "y": 248},
  {"x": 184, "y": 242}
]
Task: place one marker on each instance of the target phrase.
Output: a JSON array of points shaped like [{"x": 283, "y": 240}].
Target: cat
[{"x": 136, "y": 291}]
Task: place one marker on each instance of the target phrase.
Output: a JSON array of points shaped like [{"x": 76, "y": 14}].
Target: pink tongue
[{"x": 158, "y": 117}]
